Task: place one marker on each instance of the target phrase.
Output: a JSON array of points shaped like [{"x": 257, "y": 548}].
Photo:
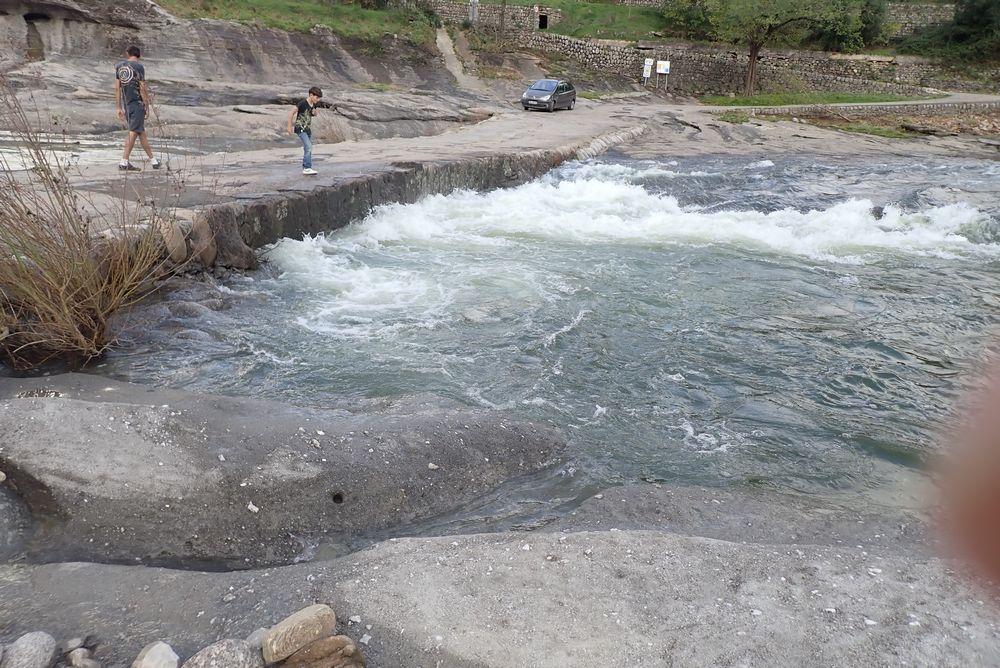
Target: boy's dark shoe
[{"x": 127, "y": 167}]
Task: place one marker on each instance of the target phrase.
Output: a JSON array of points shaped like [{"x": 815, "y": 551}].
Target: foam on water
[{"x": 593, "y": 210}]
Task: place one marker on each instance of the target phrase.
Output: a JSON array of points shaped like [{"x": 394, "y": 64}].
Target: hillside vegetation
[{"x": 352, "y": 20}]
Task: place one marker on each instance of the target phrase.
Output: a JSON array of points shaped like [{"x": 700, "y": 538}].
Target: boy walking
[
  {"x": 132, "y": 101},
  {"x": 300, "y": 122}
]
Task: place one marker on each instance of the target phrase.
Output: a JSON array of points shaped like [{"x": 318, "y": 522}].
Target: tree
[{"x": 757, "y": 23}]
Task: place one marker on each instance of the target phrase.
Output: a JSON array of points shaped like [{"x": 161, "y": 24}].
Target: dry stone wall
[
  {"x": 516, "y": 18},
  {"x": 908, "y": 18}
]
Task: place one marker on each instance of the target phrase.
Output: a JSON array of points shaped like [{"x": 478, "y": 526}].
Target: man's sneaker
[
  {"x": 124, "y": 166},
  {"x": 156, "y": 163},
  {"x": 310, "y": 171}
]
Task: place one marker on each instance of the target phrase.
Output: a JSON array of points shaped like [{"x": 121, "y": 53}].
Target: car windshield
[{"x": 544, "y": 84}]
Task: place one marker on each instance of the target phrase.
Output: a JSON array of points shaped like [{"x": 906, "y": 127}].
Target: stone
[
  {"x": 77, "y": 656},
  {"x": 156, "y": 654},
  {"x": 256, "y": 639},
  {"x": 88, "y": 663},
  {"x": 173, "y": 239},
  {"x": 32, "y": 650},
  {"x": 298, "y": 630},
  {"x": 68, "y": 646},
  {"x": 203, "y": 242},
  {"x": 332, "y": 652},
  {"x": 3, "y": 476},
  {"x": 227, "y": 654}
]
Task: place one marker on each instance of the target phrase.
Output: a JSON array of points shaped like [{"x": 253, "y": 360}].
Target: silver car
[{"x": 549, "y": 94}]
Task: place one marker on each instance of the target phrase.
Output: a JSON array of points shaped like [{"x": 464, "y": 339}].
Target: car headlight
[
  {"x": 524, "y": 95},
  {"x": 546, "y": 98}
]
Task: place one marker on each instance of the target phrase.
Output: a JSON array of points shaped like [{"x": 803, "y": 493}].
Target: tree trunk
[
  {"x": 503, "y": 23},
  {"x": 751, "y": 81}
]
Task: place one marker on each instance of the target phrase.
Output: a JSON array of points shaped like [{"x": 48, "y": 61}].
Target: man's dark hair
[
  {"x": 133, "y": 51},
  {"x": 316, "y": 91}
]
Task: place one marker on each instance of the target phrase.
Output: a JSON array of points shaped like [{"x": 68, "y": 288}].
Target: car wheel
[
  {"x": 552, "y": 106},
  {"x": 525, "y": 107},
  {"x": 572, "y": 103}
]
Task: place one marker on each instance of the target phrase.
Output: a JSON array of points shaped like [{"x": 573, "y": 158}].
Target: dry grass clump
[{"x": 60, "y": 280}]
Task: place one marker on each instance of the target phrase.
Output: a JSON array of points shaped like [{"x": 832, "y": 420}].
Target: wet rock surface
[
  {"x": 32, "y": 650},
  {"x": 126, "y": 472}
]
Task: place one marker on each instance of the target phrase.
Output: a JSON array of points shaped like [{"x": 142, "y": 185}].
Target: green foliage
[
  {"x": 360, "y": 20},
  {"x": 688, "y": 18},
  {"x": 818, "y": 97},
  {"x": 877, "y": 130},
  {"x": 736, "y": 117},
  {"x": 974, "y": 34},
  {"x": 855, "y": 30}
]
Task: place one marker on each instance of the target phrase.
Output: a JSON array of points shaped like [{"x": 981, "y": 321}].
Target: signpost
[
  {"x": 662, "y": 67},
  {"x": 647, "y": 70}
]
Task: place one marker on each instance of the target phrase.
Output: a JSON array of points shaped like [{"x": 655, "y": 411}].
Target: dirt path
[{"x": 454, "y": 65}]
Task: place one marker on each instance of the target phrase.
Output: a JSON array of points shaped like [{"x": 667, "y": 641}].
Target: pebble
[
  {"x": 870, "y": 622},
  {"x": 3, "y": 476},
  {"x": 252, "y": 508},
  {"x": 365, "y": 639},
  {"x": 156, "y": 654},
  {"x": 78, "y": 656},
  {"x": 433, "y": 467},
  {"x": 227, "y": 654},
  {"x": 32, "y": 650},
  {"x": 354, "y": 620},
  {"x": 222, "y": 458}
]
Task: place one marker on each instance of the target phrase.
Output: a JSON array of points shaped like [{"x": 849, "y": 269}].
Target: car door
[
  {"x": 570, "y": 93},
  {"x": 561, "y": 99}
]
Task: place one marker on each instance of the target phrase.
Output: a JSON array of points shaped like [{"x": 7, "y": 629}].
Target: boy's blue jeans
[{"x": 307, "y": 149}]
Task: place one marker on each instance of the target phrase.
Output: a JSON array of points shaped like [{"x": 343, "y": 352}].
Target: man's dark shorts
[{"x": 135, "y": 116}]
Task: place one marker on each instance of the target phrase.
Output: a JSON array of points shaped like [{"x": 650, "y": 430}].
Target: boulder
[
  {"x": 256, "y": 639},
  {"x": 332, "y": 652},
  {"x": 227, "y": 654},
  {"x": 32, "y": 650},
  {"x": 298, "y": 630},
  {"x": 156, "y": 655}
]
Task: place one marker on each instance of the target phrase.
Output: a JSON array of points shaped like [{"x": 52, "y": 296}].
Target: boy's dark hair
[
  {"x": 133, "y": 51},
  {"x": 316, "y": 91}
]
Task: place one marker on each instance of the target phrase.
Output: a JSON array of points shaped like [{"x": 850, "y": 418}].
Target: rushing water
[{"x": 709, "y": 321}]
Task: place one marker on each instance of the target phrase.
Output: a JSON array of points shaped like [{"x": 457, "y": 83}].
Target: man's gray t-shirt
[{"x": 129, "y": 73}]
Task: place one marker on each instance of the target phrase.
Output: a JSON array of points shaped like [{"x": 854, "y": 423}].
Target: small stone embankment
[
  {"x": 229, "y": 234},
  {"x": 304, "y": 639},
  {"x": 943, "y": 108}
]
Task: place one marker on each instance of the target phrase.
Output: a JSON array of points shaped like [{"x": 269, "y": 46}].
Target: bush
[
  {"x": 973, "y": 35},
  {"x": 60, "y": 281}
]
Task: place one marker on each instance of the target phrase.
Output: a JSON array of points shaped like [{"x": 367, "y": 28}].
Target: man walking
[
  {"x": 132, "y": 100},
  {"x": 300, "y": 122}
]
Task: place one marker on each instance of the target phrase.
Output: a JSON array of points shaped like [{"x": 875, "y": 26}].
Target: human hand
[{"x": 121, "y": 115}]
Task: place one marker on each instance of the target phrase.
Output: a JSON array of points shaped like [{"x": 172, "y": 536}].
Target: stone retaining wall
[
  {"x": 867, "y": 110},
  {"x": 488, "y": 15},
  {"x": 908, "y": 18},
  {"x": 700, "y": 69}
]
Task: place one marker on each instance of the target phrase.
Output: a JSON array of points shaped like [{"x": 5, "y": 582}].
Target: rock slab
[
  {"x": 226, "y": 654},
  {"x": 32, "y": 650},
  {"x": 156, "y": 655},
  {"x": 298, "y": 630}
]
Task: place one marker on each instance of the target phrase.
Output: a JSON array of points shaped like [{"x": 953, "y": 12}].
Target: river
[{"x": 795, "y": 324}]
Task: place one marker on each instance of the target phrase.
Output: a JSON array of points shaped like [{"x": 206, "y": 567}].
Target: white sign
[
  {"x": 647, "y": 71},
  {"x": 649, "y": 62},
  {"x": 663, "y": 67}
]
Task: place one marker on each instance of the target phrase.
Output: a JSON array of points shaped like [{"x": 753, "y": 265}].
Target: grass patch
[
  {"x": 591, "y": 95},
  {"x": 877, "y": 130},
  {"x": 377, "y": 86},
  {"x": 734, "y": 117},
  {"x": 344, "y": 19},
  {"x": 819, "y": 97}
]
